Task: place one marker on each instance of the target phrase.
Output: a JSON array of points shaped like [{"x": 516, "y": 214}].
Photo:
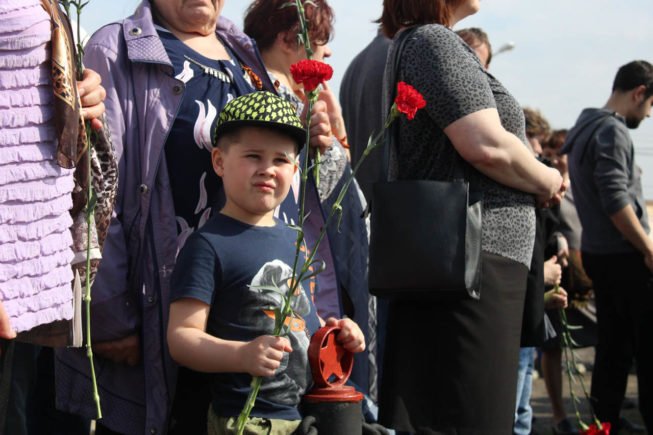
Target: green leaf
[
  {"x": 278, "y": 319},
  {"x": 573, "y": 343},
  {"x": 296, "y": 228},
  {"x": 321, "y": 267}
]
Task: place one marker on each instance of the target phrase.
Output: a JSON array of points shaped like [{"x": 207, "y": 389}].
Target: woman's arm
[{"x": 483, "y": 142}]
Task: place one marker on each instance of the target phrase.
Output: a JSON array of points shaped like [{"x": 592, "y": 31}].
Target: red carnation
[
  {"x": 310, "y": 73},
  {"x": 594, "y": 429},
  {"x": 408, "y": 100}
]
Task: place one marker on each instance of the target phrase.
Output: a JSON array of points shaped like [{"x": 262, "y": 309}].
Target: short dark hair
[
  {"x": 474, "y": 36},
  {"x": 556, "y": 140},
  {"x": 632, "y": 75},
  {"x": 405, "y": 13},
  {"x": 265, "y": 19},
  {"x": 536, "y": 124}
]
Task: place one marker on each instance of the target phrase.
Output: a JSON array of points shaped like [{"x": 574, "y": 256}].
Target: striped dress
[{"x": 35, "y": 193}]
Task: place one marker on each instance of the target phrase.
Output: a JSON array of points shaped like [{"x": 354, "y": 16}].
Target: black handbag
[{"x": 425, "y": 235}]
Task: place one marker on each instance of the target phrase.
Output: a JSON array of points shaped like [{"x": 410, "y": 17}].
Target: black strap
[{"x": 390, "y": 135}]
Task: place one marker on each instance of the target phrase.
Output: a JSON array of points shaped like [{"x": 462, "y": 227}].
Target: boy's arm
[
  {"x": 350, "y": 336},
  {"x": 192, "y": 347}
]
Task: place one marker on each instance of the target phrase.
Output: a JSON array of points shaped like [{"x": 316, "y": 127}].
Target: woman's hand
[
  {"x": 554, "y": 299},
  {"x": 350, "y": 336},
  {"x": 558, "y": 187},
  {"x": 262, "y": 356},
  {"x": 552, "y": 271},
  {"x": 563, "y": 250},
  {"x": 319, "y": 127},
  {"x": 6, "y": 332},
  {"x": 92, "y": 95},
  {"x": 335, "y": 117},
  {"x": 334, "y": 111}
]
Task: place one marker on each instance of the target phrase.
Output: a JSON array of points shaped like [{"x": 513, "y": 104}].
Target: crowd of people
[{"x": 208, "y": 128}]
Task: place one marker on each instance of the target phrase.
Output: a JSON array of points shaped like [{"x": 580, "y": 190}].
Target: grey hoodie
[{"x": 604, "y": 179}]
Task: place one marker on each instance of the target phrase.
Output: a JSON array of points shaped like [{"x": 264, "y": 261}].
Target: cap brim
[{"x": 296, "y": 133}]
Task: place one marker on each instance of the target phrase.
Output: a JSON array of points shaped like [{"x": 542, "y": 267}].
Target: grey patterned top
[{"x": 447, "y": 72}]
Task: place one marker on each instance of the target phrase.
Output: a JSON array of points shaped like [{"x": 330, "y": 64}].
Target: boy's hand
[
  {"x": 262, "y": 356},
  {"x": 320, "y": 127},
  {"x": 555, "y": 299},
  {"x": 350, "y": 336}
]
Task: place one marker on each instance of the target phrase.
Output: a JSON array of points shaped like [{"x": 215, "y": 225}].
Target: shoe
[
  {"x": 630, "y": 426},
  {"x": 564, "y": 427}
]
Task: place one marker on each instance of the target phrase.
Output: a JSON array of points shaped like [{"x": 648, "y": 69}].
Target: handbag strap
[
  {"x": 391, "y": 135},
  {"x": 390, "y": 90}
]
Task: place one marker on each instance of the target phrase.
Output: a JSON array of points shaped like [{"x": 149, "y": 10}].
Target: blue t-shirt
[{"x": 224, "y": 264}]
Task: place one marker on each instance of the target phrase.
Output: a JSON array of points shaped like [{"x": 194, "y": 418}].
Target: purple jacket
[{"x": 131, "y": 291}]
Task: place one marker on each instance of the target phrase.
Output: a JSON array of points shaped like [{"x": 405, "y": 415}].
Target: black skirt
[{"x": 450, "y": 367}]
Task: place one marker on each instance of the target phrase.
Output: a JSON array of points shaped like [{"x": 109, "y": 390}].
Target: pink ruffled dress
[{"x": 35, "y": 193}]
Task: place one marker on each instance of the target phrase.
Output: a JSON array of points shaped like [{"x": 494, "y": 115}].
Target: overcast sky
[{"x": 565, "y": 57}]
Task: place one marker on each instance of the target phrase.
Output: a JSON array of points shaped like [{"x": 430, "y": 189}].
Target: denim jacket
[{"x": 131, "y": 291}]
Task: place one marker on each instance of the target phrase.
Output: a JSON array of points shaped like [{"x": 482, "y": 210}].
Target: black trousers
[
  {"x": 451, "y": 366},
  {"x": 624, "y": 306}
]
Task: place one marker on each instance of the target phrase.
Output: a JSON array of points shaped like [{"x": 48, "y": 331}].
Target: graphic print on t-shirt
[{"x": 269, "y": 284}]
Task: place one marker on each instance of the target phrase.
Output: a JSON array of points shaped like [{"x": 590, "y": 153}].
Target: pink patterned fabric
[{"x": 35, "y": 193}]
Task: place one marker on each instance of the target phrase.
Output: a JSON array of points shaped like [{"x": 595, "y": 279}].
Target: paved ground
[{"x": 542, "y": 408}]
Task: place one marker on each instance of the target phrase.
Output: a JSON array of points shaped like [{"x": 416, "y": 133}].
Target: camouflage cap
[{"x": 260, "y": 109}]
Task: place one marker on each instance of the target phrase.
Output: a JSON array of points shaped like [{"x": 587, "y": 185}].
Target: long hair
[{"x": 405, "y": 13}]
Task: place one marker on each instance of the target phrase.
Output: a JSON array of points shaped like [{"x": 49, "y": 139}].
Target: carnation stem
[
  {"x": 90, "y": 220},
  {"x": 571, "y": 361},
  {"x": 90, "y": 203}
]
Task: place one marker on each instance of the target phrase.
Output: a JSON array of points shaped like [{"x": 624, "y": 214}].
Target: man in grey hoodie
[{"x": 616, "y": 249}]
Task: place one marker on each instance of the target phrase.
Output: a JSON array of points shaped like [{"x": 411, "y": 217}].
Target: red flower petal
[
  {"x": 594, "y": 429},
  {"x": 408, "y": 100},
  {"x": 310, "y": 73}
]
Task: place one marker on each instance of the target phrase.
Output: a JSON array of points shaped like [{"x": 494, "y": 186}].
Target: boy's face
[{"x": 257, "y": 169}]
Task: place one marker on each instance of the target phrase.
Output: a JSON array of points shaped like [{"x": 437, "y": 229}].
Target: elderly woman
[
  {"x": 450, "y": 366},
  {"x": 168, "y": 70},
  {"x": 342, "y": 287}
]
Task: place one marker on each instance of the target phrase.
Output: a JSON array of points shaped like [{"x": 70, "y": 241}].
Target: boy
[{"x": 220, "y": 318}]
